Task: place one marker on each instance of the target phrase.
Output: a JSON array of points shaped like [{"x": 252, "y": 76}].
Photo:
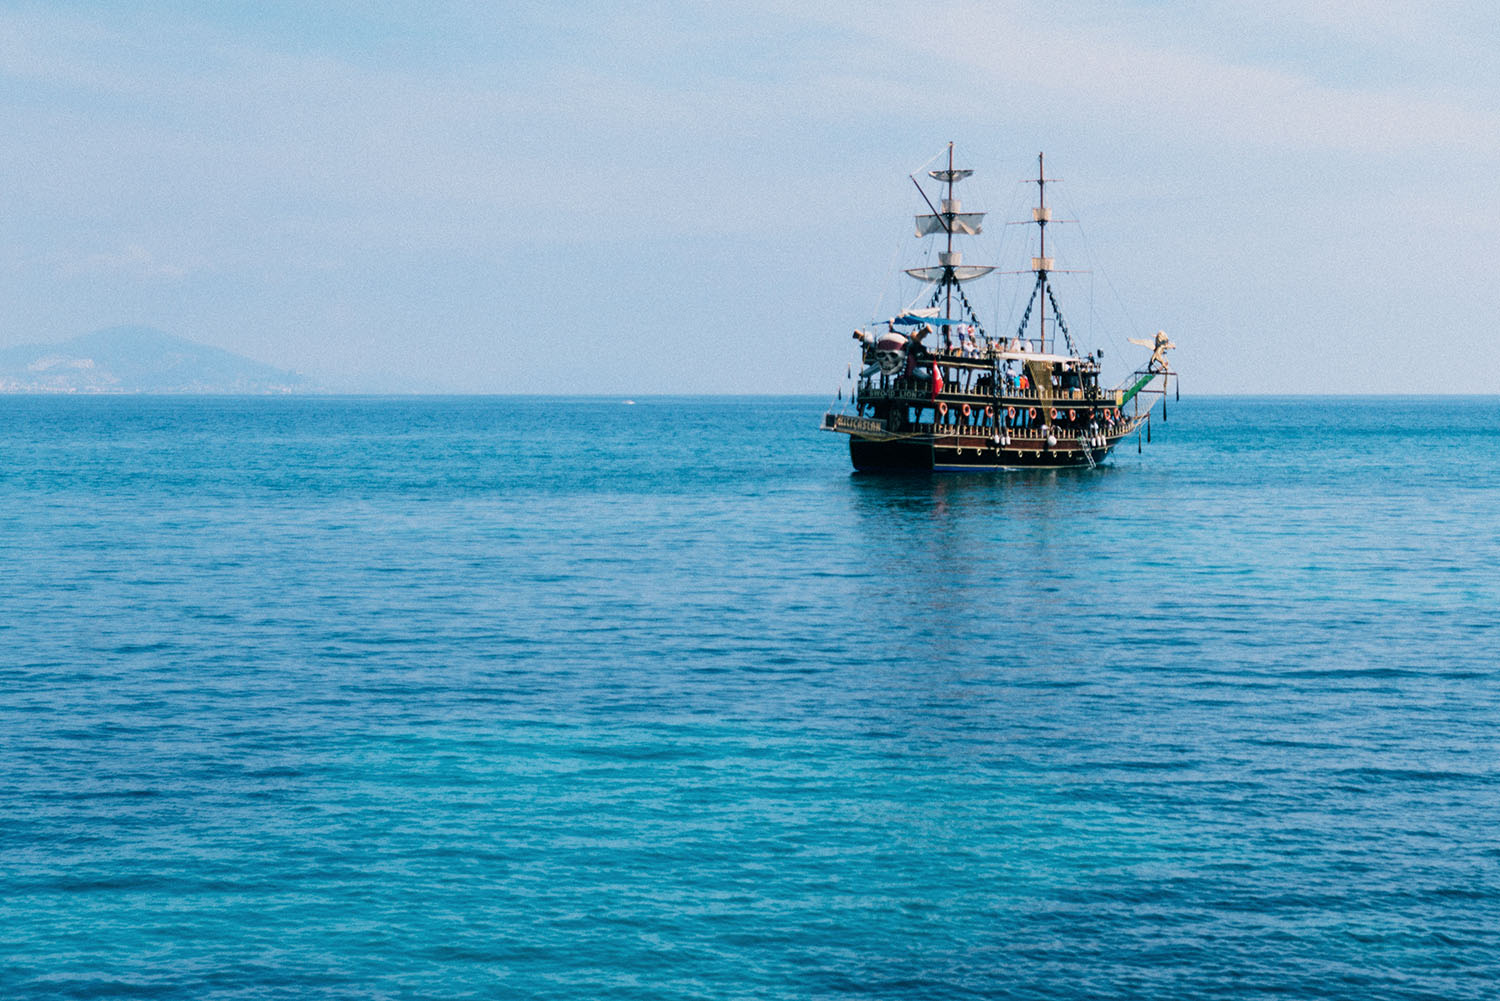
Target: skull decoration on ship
[{"x": 891, "y": 353}]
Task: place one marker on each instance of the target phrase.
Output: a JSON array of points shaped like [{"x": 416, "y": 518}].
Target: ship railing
[
  {"x": 923, "y": 390},
  {"x": 908, "y": 387},
  {"x": 1034, "y": 432}
]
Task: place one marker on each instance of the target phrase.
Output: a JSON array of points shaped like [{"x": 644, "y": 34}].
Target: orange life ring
[
  {"x": 942, "y": 410},
  {"x": 1072, "y": 416},
  {"x": 1010, "y": 412},
  {"x": 1031, "y": 413},
  {"x": 966, "y": 410},
  {"x": 1054, "y": 413},
  {"x": 989, "y": 411}
]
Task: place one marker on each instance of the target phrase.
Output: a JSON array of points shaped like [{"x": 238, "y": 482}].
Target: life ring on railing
[
  {"x": 1072, "y": 416},
  {"x": 989, "y": 412},
  {"x": 1010, "y": 412},
  {"x": 1054, "y": 413},
  {"x": 966, "y": 410},
  {"x": 1031, "y": 413},
  {"x": 942, "y": 410}
]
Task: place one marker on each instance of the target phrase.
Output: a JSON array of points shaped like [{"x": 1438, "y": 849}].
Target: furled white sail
[
  {"x": 949, "y": 175},
  {"x": 964, "y": 273},
  {"x": 967, "y": 223}
]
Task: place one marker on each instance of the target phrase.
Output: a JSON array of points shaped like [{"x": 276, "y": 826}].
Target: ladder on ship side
[{"x": 1088, "y": 452}]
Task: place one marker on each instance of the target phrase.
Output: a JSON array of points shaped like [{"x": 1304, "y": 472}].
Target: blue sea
[{"x": 572, "y": 699}]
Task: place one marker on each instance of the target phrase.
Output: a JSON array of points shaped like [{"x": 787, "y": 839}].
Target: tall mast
[
  {"x": 1041, "y": 223},
  {"x": 947, "y": 210},
  {"x": 951, "y": 220}
]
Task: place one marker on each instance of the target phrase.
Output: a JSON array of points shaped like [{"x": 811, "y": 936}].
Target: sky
[{"x": 710, "y": 197}]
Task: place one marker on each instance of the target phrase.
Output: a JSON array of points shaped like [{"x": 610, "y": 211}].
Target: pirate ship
[{"x": 938, "y": 392}]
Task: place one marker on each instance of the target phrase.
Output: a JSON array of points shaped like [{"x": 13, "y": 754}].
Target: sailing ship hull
[
  {"x": 976, "y": 454},
  {"x": 1002, "y": 435}
]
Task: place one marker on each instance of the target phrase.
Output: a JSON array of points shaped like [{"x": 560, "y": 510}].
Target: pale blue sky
[{"x": 708, "y": 197}]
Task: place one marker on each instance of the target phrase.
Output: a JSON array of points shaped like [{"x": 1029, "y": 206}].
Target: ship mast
[
  {"x": 947, "y": 217},
  {"x": 1040, "y": 265},
  {"x": 950, "y": 220}
]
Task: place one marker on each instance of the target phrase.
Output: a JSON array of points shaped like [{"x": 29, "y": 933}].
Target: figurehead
[{"x": 1159, "y": 345}]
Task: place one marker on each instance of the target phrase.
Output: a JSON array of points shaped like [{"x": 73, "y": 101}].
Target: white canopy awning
[{"x": 1034, "y": 356}]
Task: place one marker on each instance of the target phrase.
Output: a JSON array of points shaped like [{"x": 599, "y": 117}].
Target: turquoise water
[{"x": 498, "y": 698}]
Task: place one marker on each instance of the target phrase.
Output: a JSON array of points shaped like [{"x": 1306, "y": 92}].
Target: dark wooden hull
[
  {"x": 949, "y": 454},
  {"x": 890, "y": 456}
]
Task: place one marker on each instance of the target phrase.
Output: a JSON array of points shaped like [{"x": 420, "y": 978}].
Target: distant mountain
[{"x": 138, "y": 360}]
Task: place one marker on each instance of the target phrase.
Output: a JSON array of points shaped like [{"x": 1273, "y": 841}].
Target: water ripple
[{"x": 439, "y": 698}]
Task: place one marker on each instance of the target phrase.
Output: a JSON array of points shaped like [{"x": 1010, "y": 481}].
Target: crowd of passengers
[
  {"x": 1105, "y": 419},
  {"x": 1012, "y": 381}
]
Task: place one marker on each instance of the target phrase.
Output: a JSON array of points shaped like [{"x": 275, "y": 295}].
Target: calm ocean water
[{"x": 497, "y": 698}]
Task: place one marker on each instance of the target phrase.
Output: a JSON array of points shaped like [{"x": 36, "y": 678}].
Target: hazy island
[{"x": 140, "y": 360}]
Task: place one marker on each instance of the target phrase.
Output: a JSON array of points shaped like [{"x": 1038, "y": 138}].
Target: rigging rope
[
  {"x": 1061, "y": 323},
  {"x": 1026, "y": 316},
  {"x": 978, "y": 325},
  {"x": 963, "y": 300}
]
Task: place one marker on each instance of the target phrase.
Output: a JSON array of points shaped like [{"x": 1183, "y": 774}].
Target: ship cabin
[{"x": 998, "y": 387}]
